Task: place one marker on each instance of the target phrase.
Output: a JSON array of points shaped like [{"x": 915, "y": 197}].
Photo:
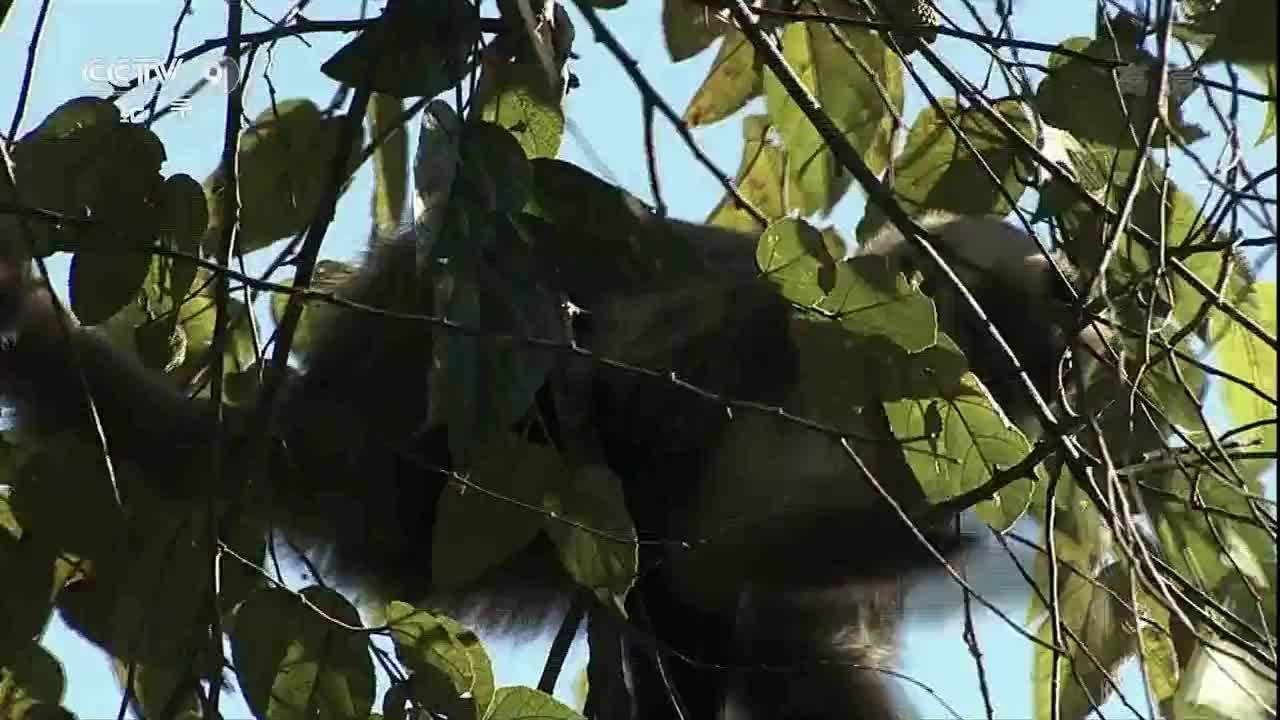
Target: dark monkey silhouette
[{"x": 782, "y": 625}]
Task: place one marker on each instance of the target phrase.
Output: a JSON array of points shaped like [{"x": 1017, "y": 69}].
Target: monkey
[
  {"x": 785, "y": 613},
  {"x": 842, "y": 615},
  {"x": 1043, "y": 280}
]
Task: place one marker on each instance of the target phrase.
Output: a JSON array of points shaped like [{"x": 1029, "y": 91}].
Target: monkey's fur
[{"x": 774, "y": 621}]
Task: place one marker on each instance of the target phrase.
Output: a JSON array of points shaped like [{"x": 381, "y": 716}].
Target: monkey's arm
[{"x": 51, "y": 366}]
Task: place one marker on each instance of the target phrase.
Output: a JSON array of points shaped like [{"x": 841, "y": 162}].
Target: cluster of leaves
[
  {"x": 857, "y": 79},
  {"x": 139, "y": 588},
  {"x": 138, "y": 243},
  {"x": 1227, "y": 559},
  {"x": 521, "y": 229}
]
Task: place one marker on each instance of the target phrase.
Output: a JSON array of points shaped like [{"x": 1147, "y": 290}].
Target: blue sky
[{"x": 605, "y": 137}]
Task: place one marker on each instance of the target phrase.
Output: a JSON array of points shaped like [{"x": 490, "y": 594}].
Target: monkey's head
[{"x": 1030, "y": 294}]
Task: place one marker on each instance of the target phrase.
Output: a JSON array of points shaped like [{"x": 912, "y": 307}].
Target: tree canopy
[{"x": 1156, "y": 535}]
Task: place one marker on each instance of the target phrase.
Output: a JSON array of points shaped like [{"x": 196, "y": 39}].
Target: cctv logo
[
  {"x": 222, "y": 73},
  {"x": 123, "y": 71}
]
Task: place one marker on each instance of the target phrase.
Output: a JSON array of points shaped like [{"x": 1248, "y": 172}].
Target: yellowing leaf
[
  {"x": 936, "y": 170},
  {"x": 760, "y": 180},
  {"x": 1245, "y": 356},
  {"x": 861, "y": 106},
  {"x": 517, "y": 97},
  {"x": 734, "y": 78}
]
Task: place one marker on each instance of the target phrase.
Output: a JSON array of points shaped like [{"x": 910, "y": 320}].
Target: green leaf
[
  {"x": 937, "y": 171},
  {"x": 1188, "y": 543},
  {"x": 33, "y": 677},
  {"x": 186, "y": 215},
  {"x": 294, "y": 663},
  {"x": 861, "y": 294},
  {"x": 1077, "y": 43},
  {"x": 390, "y": 161},
  {"x": 1184, "y": 224},
  {"x": 76, "y": 116},
  {"x": 1240, "y": 353},
  {"x": 522, "y": 703},
  {"x": 1104, "y": 626},
  {"x": 598, "y": 240},
  {"x": 155, "y": 686},
  {"x": 1269, "y": 124},
  {"x": 1236, "y": 31},
  {"x": 143, "y": 593},
  {"x": 196, "y": 320},
  {"x": 483, "y": 383},
  {"x": 8, "y": 522},
  {"x": 493, "y": 172},
  {"x": 690, "y": 27},
  {"x": 1158, "y": 653},
  {"x": 82, "y": 161},
  {"x": 606, "y": 558},
  {"x": 452, "y": 673},
  {"x": 478, "y": 528},
  {"x": 1222, "y": 682},
  {"x": 103, "y": 282},
  {"x": 417, "y": 48},
  {"x": 1166, "y": 388},
  {"x": 285, "y": 166},
  {"x": 142, "y": 598},
  {"x": 792, "y": 254},
  {"x": 834, "y": 390},
  {"x": 1081, "y": 97},
  {"x": 976, "y": 442},
  {"x": 1079, "y": 534},
  {"x": 185, "y": 219}
]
